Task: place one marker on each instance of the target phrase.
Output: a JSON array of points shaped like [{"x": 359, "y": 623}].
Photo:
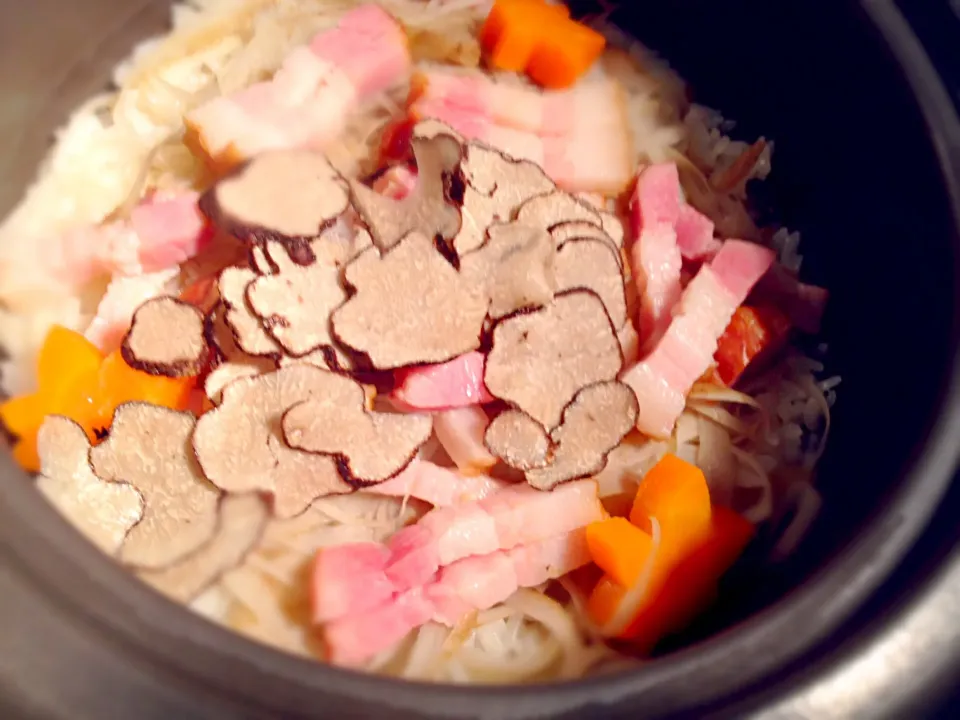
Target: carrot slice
[
  {"x": 119, "y": 383},
  {"x": 65, "y": 358},
  {"x": 540, "y": 39},
  {"x": 22, "y": 415},
  {"x": 684, "y": 589},
  {"x": 564, "y": 54},
  {"x": 674, "y": 492},
  {"x": 619, "y": 548},
  {"x": 691, "y": 585}
]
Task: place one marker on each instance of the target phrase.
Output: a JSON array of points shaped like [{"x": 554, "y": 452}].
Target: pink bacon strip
[
  {"x": 307, "y": 102},
  {"x": 512, "y": 516},
  {"x": 579, "y": 145},
  {"x": 455, "y": 383},
  {"x": 655, "y": 257},
  {"x": 474, "y": 583},
  {"x": 662, "y": 380}
]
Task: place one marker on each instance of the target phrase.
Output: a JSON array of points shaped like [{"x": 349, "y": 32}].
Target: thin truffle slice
[
  {"x": 541, "y": 359},
  {"x": 582, "y": 230},
  {"x": 427, "y": 208},
  {"x": 286, "y": 195},
  {"x": 494, "y": 186},
  {"x": 222, "y": 375},
  {"x": 592, "y": 265},
  {"x": 519, "y": 440},
  {"x": 240, "y": 446},
  {"x": 516, "y": 266},
  {"x": 295, "y": 303},
  {"x": 613, "y": 226},
  {"x": 551, "y": 209},
  {"x": 249, "y": 333},
  {"x": 149, "y": 447},
  {"x": 411, "y": 307},
  {"x": 241, "y": 521},
  {"x": 166, "y": 338},
  {"x": 102, "y": 511},
  {"x": 369, "y": 447},
  {"x": 594, "y": 423}
]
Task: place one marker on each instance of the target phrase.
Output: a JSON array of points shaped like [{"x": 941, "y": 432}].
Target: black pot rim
[{"x": 147, "y": 628}]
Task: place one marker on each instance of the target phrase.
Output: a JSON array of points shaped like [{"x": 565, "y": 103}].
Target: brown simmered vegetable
[
  {"x": 166, "y": 338},
  {"x": 541, "y": 359},
  {"x": 592, "y": 265},
  {"x": 248, "y": 332},
  {"x": 550, "y": 209},
  {"x": 594, "y": 423},
  {"x": 518, "y": 440},
  {"x": 149, "y": 448},
  {"x": 240, "y": 523},
  {"x": 286, "y": 195},
  {"x": 295, "y": 303},
  {"x": 427, "y": 208},
  {"x": 494, "y": 186},
  {"x": 240, "y": 445},
  {"x": 411, "y": 306},
  {"x": 582, "y": 230},
  {"x": 516, "y": 266},
  {"x": 369, "y": 447},
  {"x": 102, "y": 511}
]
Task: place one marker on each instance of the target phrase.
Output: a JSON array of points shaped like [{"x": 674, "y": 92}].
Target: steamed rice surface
[{"x": 758, "y": 444}]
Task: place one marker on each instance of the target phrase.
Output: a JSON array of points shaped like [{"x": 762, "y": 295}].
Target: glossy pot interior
[{"x": 855, "y": 169}]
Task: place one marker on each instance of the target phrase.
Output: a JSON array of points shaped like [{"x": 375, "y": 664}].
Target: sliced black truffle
[
  {"x": 240, "y": 445},
  {"x": 166, "y": 337},
  {"x": 592, "y": 265},
  {"x": 289, "y": 196},
  {"x": 494, "y": 187},
  {"x": 516, "y": 266},
  {"x": 294, "y": 304},
  {"x": 594, "y": 423},
  {"x": 519, "y": 440},
  {"x": 149, "y": 448},
  {"x": 246, "y": 327},
  {"x": 240, "y": 523},
  {"x": 369, "y": 446},
  {"x": 427, "y": 208},
  {"x": 541, "y": 359},
  {"x": 410, "y": 307},
  {"x": 102, "y": 511}
]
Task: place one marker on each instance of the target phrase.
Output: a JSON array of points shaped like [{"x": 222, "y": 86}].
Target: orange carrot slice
[
  {"x": 506, "y": 17},
  {"x": 691, "y": 584},
  {"x": 676, "y": 493},
  {"x": 65, "y": 358},
  {"x": 564, "y": 54},
  {"x": 515, "y": 29},
  {"x": 119, "y": 383},
  {"x": 619, "y": 548}
]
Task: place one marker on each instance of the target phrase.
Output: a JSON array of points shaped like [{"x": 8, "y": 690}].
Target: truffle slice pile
[
  {"x": 139, "y": 496},
  {"x": 149, "y": 448},
  {"x": 484, "y": 252},
  {"x": 103, "y": 511}
]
